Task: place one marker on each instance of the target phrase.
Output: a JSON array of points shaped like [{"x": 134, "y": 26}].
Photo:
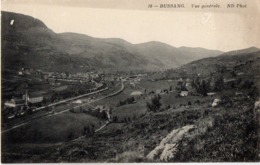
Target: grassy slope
[
  {"x": 232, "y": 137},
  {"x": 51, "y": 129}
]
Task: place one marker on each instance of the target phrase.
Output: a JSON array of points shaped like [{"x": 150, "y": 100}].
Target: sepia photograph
[{"x": 130, "y": 81}]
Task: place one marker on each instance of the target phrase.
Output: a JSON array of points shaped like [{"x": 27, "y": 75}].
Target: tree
[
  {"x": 247, "y": 84},
  {"x": 85, "y": 130},
  {"x": 130, "y": 100},
  {"x": 70, "y": 136},
  {"x": 170, "y": 88},
  {"x": 155, "y": 103},
  {"x": 195, "y": 83},
  {"x": 128, "y": 119},
  {"x": 115, "y": 119},
  {"x": 219, "y": 84},
  {"x": 92, "y": 129},
  {"x": 72, "y": 110},
  {"x": 103, "y": 115},
  {"x": 81, "y": 109},
  {"x": 197, "y": 101},
  {"x": 254, "y": 93},
  {"x": 134, "y": 117},
  {"x": 168, "y": 106},
  {"x": 203, "y": 88}
]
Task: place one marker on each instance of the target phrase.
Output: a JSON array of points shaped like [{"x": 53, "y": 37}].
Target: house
[
  {"x": 158, "y": 91},
  {"x": 27, "y": 71},
  {"x": 136, "y": 93},
  {"x": 184, "y": 93},
  {"x": 226, "y": 80},
  {"x": 137, "y": 80},
  {"x": 45, "y": 76},
  {"x": 20, "y": 73},
  {"x": 239, "y": 93},
  {"x": 132, "y": 84},
  {"x": 77, "y": 102},
  {"x": 180, "y": 80},
  {"x": 34, "y": 97},
  {"x": 211, "y": 93},
  {"x": 257, "y": 105},
  {"x": 216, "y": 102},
  {"x": 124, "y": 79},
  {"x": 188, "y": 80},
  {"x": 240, "y": 73},
  {"x": 14, "y": 102},
  {"x": 100, "y": 108},
  {"x": 61, "y": 88}
]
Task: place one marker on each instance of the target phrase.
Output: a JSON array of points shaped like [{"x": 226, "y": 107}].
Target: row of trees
[
  {"x": 102, "y": 114},
  {"x": 129, "y": 100},
  {"x": 201, "y": 87}
]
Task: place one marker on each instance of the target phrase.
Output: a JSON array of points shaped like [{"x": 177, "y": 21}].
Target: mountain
[
  {"x": 242, "y": 51},
  {"x": 241, "y": 63},
  {"x": 173, "y": 57},
  {"x": 28, "y": 42}
]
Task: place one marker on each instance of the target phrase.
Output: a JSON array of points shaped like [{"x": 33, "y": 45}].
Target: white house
[
  {"x": 14, "y": 102},
  {"x": 211, "y": 93},
  {"x": 216, "y": 102},
  {"x": 77, "y": 102},
  {"x": 136, "y": 93},
  {"x": 184, "y": 93},
  {"x": 20, "y": 73},
  {"x": 239, "y": 93}
]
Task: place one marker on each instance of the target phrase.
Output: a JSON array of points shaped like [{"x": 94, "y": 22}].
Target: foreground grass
[
  {"x": 226, "y": 133},
  {"x": 52, "y": 129},
  {"x": 232, "y": 137}
]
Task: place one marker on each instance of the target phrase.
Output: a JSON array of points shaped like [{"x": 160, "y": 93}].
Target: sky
[{"x": 220, "y": 29}]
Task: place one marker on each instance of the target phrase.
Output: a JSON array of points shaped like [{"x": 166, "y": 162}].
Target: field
[
  {"x": 131, "y": 111},
  {"x": 154, "y": 85},
  {"x": 52, "y": 129},
  {"x": 173, "y": 101},
  {"x": 132, "y": 141}
]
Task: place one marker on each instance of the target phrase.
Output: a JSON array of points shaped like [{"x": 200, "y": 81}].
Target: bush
[
  {"x": 197, "y": 102},
  {"x": 155, "y": 104}
]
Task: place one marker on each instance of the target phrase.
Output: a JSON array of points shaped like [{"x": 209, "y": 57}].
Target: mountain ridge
[{"x": 29, "y": 38}]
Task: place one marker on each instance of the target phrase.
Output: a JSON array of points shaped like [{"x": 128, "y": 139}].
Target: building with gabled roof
[{"x": 15, "y": 102}]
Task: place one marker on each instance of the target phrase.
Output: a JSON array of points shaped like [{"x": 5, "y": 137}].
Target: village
[
  {"x": 62, "y": 84},
  {"x": 42, "y": 90},
  {"x": 38, "y": 88}
]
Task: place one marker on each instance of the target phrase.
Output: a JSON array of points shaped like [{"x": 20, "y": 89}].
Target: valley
[{"x": 69, "y": 97}]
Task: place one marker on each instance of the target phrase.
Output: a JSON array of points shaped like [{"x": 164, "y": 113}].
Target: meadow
[{"x": 52, "y": 129}]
